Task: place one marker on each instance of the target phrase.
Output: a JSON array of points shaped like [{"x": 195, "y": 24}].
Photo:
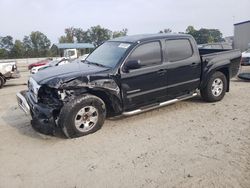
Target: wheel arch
[
  {"x": 223, "y": 69},
  {"x": 112, "y": 101}
]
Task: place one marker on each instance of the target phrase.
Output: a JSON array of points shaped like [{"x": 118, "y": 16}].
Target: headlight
[{"x": 33, "y": 88}]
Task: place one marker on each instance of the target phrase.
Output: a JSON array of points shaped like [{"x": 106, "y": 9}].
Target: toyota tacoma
[{"x": 126, "y": 76}]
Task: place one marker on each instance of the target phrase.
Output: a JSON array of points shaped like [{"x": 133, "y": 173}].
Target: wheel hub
[
  {"x": 86, "y": 118},
  {"x": 217, "y": 87}
]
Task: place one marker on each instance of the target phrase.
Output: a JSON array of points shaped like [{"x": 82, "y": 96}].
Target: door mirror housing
[{"x": 132, "y": 64}]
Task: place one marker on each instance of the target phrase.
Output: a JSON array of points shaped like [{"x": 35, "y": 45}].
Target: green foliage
[
  {"x": 203, "y": 36},
  {"x": 81, "y": 36},
  {"x": 120, "y": 33},
  {"x": 36, "y": 45},
  {"x": 95, "y": 35},
  {"x": 69, "y": 35},
  {"x": 98, "y": 34},
  {"x": 3, "y": 53},
  {"x": 6, "y": 42},
  {"x": 18, "y": 50}
]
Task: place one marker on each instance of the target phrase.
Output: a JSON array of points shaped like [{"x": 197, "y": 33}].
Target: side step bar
[{"x": 134, "y": 112}]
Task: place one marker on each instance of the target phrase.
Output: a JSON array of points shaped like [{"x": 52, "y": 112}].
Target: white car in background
[
  {"x": 50, "y": 64},
  {"x": 245, "y": 58},
  {"x": 8, "y": 70}
]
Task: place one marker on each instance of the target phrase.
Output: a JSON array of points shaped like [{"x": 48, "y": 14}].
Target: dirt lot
[{"x": 187, "y": 144}]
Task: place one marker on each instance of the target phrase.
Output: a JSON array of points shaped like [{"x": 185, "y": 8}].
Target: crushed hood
[{"x": 58, "y": 75}]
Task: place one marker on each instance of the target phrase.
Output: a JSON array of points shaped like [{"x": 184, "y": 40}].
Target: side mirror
[{"x": 132, "y": 64}]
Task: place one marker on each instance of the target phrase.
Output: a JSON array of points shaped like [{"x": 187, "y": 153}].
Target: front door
[{"x": 147, "y": 84}]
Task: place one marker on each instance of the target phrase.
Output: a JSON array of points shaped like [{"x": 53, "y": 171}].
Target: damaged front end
[
  {"x": 46, "y": 101},
  {"x": 43, "y": 104}
]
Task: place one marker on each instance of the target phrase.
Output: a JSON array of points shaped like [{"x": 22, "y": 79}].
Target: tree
[
  {"x": 69, "y": 36},
  {"x": 121, "y": 33},
  {"x": 190, "y": 30},
  {"x": 168, "y": 30},
  {"x": 18, "y": 50},
  {"x": 95, "y": 35},
  {"x": 81, "y": 35},
  {"x": 27, "y": 47},
  {"x": 205, "y": 35},
  {"x": 98, "y": 34},
  {"x": 3, "y": 53},
  {"x": 36, "y": 44},
  {"x": 6, "y": 42}
]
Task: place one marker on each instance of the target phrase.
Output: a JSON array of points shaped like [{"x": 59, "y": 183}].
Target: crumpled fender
[{"x": 105, "y": 88}]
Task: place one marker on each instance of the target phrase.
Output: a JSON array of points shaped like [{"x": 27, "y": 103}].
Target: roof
[
  {"x": 136, "y": 38},
  {"x": 242, "y": 23},
  {"x": 74, "y": 45}
]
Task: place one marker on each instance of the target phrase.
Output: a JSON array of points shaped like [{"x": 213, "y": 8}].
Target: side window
[
  {"x": 179, "y": 49},
  {"x": 147, "y": 54}
]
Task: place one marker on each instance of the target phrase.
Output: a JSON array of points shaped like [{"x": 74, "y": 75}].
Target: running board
[{"x": 134, "y": 112}]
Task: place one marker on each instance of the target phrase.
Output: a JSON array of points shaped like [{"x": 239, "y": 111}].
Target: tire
[
  {"x": 216, "y": 88},
  {"x": 82, "y": 116},
  {"x": 2, "y": 81}
]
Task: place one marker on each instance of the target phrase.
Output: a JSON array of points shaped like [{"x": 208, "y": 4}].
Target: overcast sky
[{"x": 20, "y": 17}]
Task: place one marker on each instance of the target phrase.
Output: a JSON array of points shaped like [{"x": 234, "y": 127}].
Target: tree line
[{"x": 37, "y": 44}]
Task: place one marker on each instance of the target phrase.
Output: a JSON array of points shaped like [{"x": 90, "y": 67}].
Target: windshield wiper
[{"x": 97, "y": 64}]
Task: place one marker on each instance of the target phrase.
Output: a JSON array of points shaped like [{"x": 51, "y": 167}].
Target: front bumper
[
  {"x": 22, "y": 102},
  {"x": 42, "y": 115}
]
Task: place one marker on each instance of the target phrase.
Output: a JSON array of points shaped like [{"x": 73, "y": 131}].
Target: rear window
[{"x": 179, "y": 49}]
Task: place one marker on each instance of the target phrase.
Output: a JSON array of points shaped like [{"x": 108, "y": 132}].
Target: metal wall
[{"x": 242, "y": 35}]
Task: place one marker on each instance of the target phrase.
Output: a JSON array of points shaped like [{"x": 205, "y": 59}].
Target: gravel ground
[{"x": 187, "y": 144}]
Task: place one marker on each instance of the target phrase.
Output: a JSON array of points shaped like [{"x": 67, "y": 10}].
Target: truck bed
[{"x": 215, "y": 55}]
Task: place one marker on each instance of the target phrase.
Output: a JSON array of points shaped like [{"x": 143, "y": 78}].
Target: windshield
[{"x": 108, "y": 54}]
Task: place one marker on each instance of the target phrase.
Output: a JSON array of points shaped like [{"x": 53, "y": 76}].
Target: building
[
  {"x": 82, "y": 48},
  {"x": 242, "y": 35}
]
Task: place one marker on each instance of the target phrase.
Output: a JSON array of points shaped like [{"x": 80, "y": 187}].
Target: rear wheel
[
  {"x": 2, "y": 81},
  {"x": 82, "y": 116},
  {"x": 216, "y": 88}
]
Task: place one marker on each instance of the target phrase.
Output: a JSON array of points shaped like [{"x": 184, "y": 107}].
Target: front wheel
[
  {"x": 82, "y": 116},
  {"x": 215, "y": 88}
]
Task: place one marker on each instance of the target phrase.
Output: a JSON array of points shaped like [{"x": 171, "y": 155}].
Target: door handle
[{"x": 162, "y": 71}]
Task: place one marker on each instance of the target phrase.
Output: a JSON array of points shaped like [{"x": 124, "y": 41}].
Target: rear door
[
  {"x": 145, "y": 85},
  {"x": 184, "y": 66}
]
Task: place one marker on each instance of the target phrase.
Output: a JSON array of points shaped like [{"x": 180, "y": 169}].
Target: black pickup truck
[{"x": 126, "y": 76}]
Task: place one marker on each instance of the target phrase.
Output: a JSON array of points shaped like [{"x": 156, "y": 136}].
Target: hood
[{"x": 55, "y": 76}]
